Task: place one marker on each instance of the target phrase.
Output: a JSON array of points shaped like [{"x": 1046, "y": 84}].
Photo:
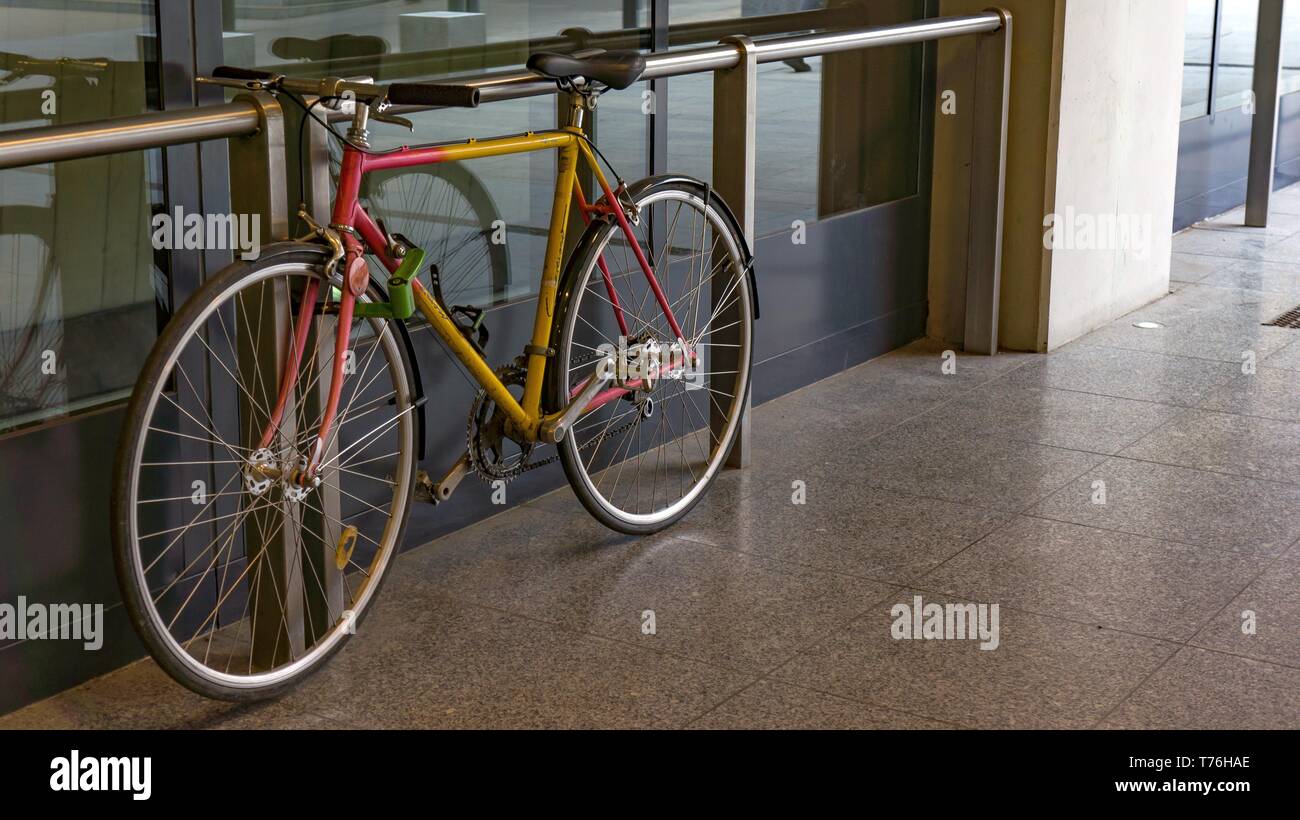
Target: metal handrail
[
  {"x": 33, "y": 146},
  {"x": 495, "y": 54}
]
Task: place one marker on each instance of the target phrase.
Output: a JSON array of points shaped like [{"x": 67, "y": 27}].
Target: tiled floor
[{"x": 981, "y": 487}]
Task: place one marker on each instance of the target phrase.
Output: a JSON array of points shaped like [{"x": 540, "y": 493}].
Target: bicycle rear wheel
[
  {"x": 240, "y": 579},
  {"x": 641, "y": 462}
]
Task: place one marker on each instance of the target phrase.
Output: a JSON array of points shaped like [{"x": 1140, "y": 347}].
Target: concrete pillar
[{"x": 1093, "y": 134}]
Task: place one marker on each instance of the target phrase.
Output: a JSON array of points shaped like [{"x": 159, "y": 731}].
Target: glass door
[{"x": 1219, "y": 106}]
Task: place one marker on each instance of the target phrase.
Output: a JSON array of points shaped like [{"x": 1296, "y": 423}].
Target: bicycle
[{"x": 286, "y": 384}]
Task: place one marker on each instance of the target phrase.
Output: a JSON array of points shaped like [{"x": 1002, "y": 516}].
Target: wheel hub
[{"x": 262, "y": 470}]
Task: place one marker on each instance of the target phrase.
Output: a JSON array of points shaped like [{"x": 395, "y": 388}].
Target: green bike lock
[{"x": 399, "y": 286}]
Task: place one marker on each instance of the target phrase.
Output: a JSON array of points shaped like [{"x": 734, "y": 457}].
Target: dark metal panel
[
  {"x": 54, "y": 504},
  {"x": 856, "y": 270}
]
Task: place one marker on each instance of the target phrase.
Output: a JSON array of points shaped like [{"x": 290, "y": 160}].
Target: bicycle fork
[{"x": 356, "y": 278}]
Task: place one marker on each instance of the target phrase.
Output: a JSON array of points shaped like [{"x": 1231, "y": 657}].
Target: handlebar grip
[
  {"x": 229, "y": 72},
  {"x": 449, "y": 96}
]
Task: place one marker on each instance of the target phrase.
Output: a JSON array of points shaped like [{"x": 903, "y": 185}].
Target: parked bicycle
[{"x": 269, "y": 456}]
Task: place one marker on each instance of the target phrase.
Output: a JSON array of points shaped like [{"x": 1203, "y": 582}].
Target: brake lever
[
  {"x": 270, "y": 85},
  {"x": 392, "y": 119}
]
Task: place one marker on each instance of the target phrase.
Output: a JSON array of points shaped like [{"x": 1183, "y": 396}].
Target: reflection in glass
[
  {"x": 1198, "y": 52},
  {"x": 451, "y": 210},
  {"x": 1291, "y": 48},
  {"x": 835, "y": 134},
  {"x": 1236, "y": 77},
  {"x": 77, "y": 306}
]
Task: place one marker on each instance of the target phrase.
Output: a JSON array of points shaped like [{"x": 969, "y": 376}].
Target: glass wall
[
  {"x": 1197, "y": 57},
  {"x": 1237, "y": 22},
  {"x": 1238, "y": 25},
  {"x": 1219, "y": 106},
  {"x": 1291, "y": 48},
  {"x": 77, "y": 267},
  {"x": 456, "y": 210},
  {"x": 835, "y": 134}
]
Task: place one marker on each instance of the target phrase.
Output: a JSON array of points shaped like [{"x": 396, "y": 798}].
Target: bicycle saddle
[
  {"x": 616, "y": 69},
  {"x": 334, "y": 47}
]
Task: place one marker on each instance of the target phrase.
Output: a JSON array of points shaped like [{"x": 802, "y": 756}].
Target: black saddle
[
  {"x": 334, "y": 47},
  {"x": 616, "y": 69}
]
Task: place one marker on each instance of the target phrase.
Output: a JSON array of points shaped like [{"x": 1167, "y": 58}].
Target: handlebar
[
  {"x": 22, "y": 65},
  {"x": 431, "y": 94}
]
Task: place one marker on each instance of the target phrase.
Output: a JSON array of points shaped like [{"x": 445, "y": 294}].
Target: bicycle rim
[
  {"x": 204, "y": 538},
  {"x": 641, "y": 462}
]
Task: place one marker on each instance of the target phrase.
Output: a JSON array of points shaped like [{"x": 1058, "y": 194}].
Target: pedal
[
  {"x": 424, "y": 489},
  {"x": 343, "y": 550},
  {"x": 475, "y": 331},
  {"x": 431, "y": 492},
  {"x": 467, "y": 318}
]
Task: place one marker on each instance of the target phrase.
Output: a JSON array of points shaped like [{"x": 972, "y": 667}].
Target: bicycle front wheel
[
  {"x": 240, "y": 578},
  {"x": 640, "y": 462}
]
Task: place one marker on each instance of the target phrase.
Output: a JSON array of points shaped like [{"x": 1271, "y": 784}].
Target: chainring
[{"x": 486, "y": 436}]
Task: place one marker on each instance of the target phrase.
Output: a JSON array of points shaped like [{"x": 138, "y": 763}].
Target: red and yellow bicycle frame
[{"x": 363, "y": 235}]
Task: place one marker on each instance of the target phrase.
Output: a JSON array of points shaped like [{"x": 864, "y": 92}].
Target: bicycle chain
[{"x": 519, "y": 470}]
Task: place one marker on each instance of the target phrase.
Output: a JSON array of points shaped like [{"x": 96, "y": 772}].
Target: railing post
[
  {"x": 1263, "y": 134},
  {"x": 735, "y": 105},
  {"x": 325, "y": 595},
  {"x": 279, "y": 599},
  {"x": 988, "y": 186}
]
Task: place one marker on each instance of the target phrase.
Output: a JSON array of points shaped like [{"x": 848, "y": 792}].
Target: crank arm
[{"x": 442, "y": 490}]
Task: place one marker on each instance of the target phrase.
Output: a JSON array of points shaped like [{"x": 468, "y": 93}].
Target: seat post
[{"x": 583, "y": 101}]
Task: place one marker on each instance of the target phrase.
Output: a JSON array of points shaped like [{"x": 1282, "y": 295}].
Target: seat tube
[{"x": 567, "y": 163}]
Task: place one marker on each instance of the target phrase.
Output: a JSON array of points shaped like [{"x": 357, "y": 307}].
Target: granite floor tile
[
  {"x": 1223, "y": 339},
  {"x": 1288, "y": 358},
  {"x": 771, "y": 705},
  {"x": 845, "y": 527},
  {"x": 1280, "y": 225},
  {"x": 1285, "y": 251},
  {"x": 926, "y": 458},
  {"x": 1203, "y": 322},
  {"x": 142, "y": 696},
  {"x": 1263, "y": 622},
  {"x": 1056, "y": 418},
  {"x": 1220, "y": 243},
  {"x": 486, "y": 669},
  {"x": 716, "y": 605},
  {"x": 1110, "y": 579},
  {"x": 1179, "y": 504},
  {"x": 1269, "y": 277},
  {"x": 1225, "y": 443},
  {"x": 1044, "y": 673},
  {"x": 1197, "y": 689},
  {"x": 908, "y": 381},
  {"x": 1191, "y": 267},
  {"x": 1127, "y": 374},
  {"x": 1267, "y": 392}
]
